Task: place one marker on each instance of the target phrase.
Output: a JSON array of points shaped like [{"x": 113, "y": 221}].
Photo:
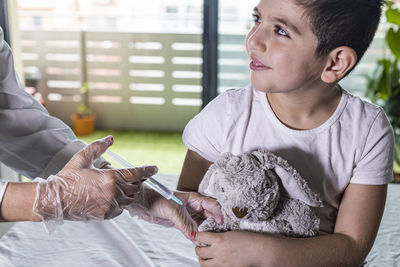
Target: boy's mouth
[{"x": 256, "y": 65}]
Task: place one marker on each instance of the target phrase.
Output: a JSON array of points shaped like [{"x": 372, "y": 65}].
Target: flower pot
[{"x": 83, "y": 124}]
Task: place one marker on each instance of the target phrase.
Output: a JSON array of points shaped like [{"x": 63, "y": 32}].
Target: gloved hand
[
  {"x": 80, "y": 192},
  {"x": 154, "y": 208}
]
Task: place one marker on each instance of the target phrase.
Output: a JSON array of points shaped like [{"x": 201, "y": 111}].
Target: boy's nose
[{"x": 257, "y": 40}]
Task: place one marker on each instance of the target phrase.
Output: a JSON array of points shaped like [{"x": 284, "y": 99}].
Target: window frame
[{"x": 210, "y": 51}]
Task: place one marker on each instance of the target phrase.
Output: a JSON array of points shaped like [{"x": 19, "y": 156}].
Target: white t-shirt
[{"x": 355, "y": 145}]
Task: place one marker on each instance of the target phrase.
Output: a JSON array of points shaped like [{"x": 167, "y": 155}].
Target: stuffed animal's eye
[
  {"x": 239, "y": 212},
  {"x": 222, "y": 189}
]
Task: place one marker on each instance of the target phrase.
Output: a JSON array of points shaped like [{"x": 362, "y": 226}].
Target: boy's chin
[{"x": 261, "y": 87}]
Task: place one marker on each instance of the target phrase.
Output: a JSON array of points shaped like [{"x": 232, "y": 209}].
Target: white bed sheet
[{"x": 127, "y": 241}]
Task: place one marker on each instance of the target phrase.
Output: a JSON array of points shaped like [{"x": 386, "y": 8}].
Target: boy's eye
[
  {"x": 281, "y": 31},
  {"x": 256, "y": 18}
]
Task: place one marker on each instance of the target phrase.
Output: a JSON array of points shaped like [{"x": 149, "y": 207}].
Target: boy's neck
[{"x": 306, "y": 109}]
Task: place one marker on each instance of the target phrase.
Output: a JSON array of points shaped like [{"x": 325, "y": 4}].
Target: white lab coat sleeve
[{"x": 32, "y": 142}]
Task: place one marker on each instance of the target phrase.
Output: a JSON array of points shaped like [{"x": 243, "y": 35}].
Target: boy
[{"x": 294, "y": 107}]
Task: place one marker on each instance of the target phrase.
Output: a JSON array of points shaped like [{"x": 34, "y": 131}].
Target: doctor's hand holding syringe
[{"x": 78, "y": 192}]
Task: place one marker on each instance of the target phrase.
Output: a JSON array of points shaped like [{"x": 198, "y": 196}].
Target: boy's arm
[
  {"x": 357, "y": 223},
  {"x": 193, "y": 170}
]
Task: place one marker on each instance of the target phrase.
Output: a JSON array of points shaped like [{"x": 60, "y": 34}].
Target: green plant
[
  {"x": 383, "y": 87},
  {"x": 83, "y": 109}
]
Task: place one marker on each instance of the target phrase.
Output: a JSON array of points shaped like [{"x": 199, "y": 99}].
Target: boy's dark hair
[{"x": 343, "y": 23}]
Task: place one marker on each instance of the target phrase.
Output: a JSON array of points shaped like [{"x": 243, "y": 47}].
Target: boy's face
[{"x": 282, "y": 47}]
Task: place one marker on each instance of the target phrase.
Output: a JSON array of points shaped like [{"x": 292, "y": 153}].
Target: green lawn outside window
[{"x": 163, "y": 149}]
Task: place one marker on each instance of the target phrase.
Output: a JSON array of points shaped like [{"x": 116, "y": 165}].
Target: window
[
  {"x": 235, "y": 19},
  {"x": 142, "y": 59}
]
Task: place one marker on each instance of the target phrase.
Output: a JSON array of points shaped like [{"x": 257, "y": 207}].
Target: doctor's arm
[
  {"x": 78, "y": 192},
  {"x": 358, "y": 220},
  {"x": 18, "y": 201}
]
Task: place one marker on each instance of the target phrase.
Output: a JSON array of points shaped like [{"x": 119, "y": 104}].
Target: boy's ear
[{"x": 339, "y": 62}]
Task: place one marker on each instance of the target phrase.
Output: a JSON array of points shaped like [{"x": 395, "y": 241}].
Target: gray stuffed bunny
[{"x": 260, "y": 192}]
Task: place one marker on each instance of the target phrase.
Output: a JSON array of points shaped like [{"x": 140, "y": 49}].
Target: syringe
[{"x": 151, "y": 182}]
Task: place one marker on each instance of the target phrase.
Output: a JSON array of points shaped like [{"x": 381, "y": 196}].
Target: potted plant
[
  {"x": 84, "y": 119},
  {"x": 383, "y": 87}
]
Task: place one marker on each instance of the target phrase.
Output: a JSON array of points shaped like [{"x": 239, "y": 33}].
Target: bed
[{"x": 126, "y": 241}]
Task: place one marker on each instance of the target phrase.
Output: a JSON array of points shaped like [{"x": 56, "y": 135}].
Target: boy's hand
[
  {"x": 234, "y": 248},
  {"x": 200, "y": 207}
]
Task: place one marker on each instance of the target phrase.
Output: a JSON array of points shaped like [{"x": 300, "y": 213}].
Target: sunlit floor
[{"x": 163, "y": 149}]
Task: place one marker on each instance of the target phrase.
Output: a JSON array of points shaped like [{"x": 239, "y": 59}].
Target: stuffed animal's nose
[{"x": 239, "y": 212}]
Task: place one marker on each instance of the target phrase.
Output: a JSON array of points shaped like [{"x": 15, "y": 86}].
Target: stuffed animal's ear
[
  {"x": 207, "y": 185},
  {"x": 296, "y": 187}
]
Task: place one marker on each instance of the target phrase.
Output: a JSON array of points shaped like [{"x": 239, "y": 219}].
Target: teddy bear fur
[{"x": 260, "y": 192}]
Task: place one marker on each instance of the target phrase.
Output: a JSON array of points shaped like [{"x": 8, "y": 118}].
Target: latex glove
[
  {"x": 79, "y": 192},
  {"x": 152, "y": 207}
]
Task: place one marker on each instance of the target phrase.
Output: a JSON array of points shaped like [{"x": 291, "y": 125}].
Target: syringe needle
[
  {"x": 153, "y": 183},
  {"x": 177, "y": 200}
]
